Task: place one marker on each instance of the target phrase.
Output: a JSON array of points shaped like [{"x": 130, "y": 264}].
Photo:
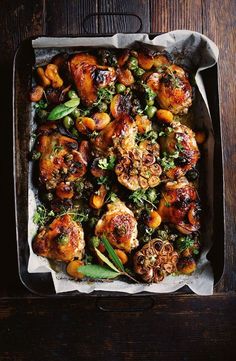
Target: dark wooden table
[{"x": 166, "y": 327}]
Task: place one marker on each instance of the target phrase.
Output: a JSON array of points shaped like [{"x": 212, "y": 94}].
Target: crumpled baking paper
[{"x": 199, "y": 53}]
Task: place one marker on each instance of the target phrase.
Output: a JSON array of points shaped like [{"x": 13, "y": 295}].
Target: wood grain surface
[{"x": 166, "y": 327}]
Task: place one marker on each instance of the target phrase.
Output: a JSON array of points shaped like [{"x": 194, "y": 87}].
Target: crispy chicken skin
[
  {"x": 60, "y": 159},
  {"x": 88, "y": 76},
  {"x": 179, "y": 206},
  {"x": 119, "y": 226},
  {"x": 62, "y": 240},
  {"x": 181, "y": 139},
  {"x": 120, "y": 133},
  {"x": 172, "y": 87}
]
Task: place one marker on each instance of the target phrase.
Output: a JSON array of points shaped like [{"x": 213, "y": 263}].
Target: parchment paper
[{"x": 198, "y": 53}]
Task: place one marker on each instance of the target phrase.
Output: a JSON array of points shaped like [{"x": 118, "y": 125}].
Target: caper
[
  {"x": 150, "y": 102},
  {"x": 75, "y": 132},
  {"x": 120, "y": 88},
  {"x": 139, "y": 72},
  {"x": 152, "y": 195},
  {"x": 132, "y": 63},
  {"x": 35, "y": 155},
  {"x": 42, "y": 114},
  {"x": 192, "y": 174},
  {"x": 102, "y": 107},
  {"x": 49, "y": 196},
  {"x": 95, "y": 241},
  {"x": 75, "y": 113},
  {"x": 151, "y": 111},
  {"x": 92, "y": 222},
  {"x": 68, "y": 122},
  {"x": 72, "y": 94},
  {"x": 180, "y": 242}
]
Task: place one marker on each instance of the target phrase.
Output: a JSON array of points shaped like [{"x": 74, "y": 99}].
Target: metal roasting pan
[{"x": 41, "y": 283}]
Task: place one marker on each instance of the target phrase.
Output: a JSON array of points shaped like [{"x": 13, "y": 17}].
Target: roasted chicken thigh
[
  {"x": 62, "y": 240},
  {"x": 119, "y": 226},
  {"x": 179, "y": 205}
]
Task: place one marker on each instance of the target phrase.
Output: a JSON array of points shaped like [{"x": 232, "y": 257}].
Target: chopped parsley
[
  {"x": 185, "y": 242},
  {"x": 167, "y": 161},
  {"x": 140, "y": 197},
  {"x": 103, "y": 180},
  {"x": 111, "y": 197},
  {"x": 107, "y": 163},
  {"x": 151, "y": 135},
  {"x": 56, "y": 149}
]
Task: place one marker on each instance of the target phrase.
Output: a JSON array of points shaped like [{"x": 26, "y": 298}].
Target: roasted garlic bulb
[
  {"x": 138, "y": 169},
  {"x": 155, "y": 260}
]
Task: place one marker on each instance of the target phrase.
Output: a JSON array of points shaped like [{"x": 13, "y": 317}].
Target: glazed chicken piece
[
  {"x": 181, "y": 140},
  {"x": 62, "y": 240},
  {"x": 179, "y": 205},
  {"x": 88, "y": 76},
  {"x": 61, "y": 159},
  {"x": 119, "y": 226},
  {"x": 172, "y": 87},
  {"x": 120, "y": 133}
]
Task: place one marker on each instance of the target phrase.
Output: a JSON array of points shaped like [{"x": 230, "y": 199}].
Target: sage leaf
[
  {"x": 112, "y": 253},
  {"x": 96, "y": 271},
  {"x": 106, "y": 260},
  {"x": 60, "y": 111},
  {"x": 72, "y": 103}
]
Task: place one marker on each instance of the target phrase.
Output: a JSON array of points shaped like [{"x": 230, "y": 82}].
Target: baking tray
[{"x": 41, "y": 283}]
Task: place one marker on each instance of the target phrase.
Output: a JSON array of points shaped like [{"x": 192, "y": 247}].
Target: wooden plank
[
  {"x": 56, "y": 17},
  {"x": 176, "y": 328},
  {"x": 114, "y": 24},
  {"x": 219, "y": 25},
  {"x": 78, "y": 10},
  {"x": 18, "y": 20},
  {"x": 167, "y": 15},
  {"x": 66, "y": 17}
]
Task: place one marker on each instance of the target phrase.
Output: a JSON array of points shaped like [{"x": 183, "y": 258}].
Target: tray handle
[
  {"x": 112, "y": 14},
  {"x": 129, "y": 304}
]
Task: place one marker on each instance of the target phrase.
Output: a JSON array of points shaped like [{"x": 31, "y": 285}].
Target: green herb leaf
[
  {"x": 72, "y": 103},
  {"x": 60, "y": 111},
  {"x": 112, "y": 253},
  {"x": 42, "y": 215},
  {"x": 102, "y": 180},
  {"x": 184, "y": 242},
  {"x": 139, "y": 197},
  {"x": 106, "y": 260},
  {"x": 96, "y": 271},
  {"x": 151, "y": 135},
  {"x": 167, "y": 161},
  {"x": 111, "y": 197},
  {"x": 41, "y": 105},
  {"x": 107, "y": 163}
]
